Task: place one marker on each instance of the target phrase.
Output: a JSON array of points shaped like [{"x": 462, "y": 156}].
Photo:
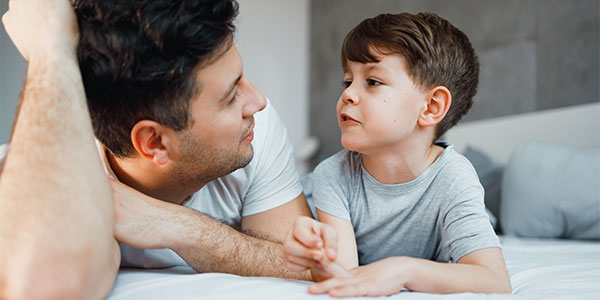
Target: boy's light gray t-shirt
[{"x": 438, "y": 216}]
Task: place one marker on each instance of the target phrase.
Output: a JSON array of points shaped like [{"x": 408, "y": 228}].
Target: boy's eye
[
  {"x": 373, "y": 82},
  {"x": 347, "y": 83}
]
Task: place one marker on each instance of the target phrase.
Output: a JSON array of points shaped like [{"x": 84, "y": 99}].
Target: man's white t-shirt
[{"x": 268, "y": 181}]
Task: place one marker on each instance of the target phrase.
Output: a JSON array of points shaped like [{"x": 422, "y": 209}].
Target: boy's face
[{"x": 380, "y": 105}]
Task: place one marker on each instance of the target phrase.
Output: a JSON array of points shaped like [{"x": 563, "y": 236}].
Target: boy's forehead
[{"x": 386, "y": 63}]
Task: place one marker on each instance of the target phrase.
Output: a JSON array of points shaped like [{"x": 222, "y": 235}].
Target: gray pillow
[{"x": 551, "y": 191}]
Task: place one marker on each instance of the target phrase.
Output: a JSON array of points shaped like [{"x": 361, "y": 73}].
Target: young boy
[{"x": 408, "y": 212}]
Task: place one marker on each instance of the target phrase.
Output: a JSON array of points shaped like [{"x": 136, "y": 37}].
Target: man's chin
[{"x": 247, "y": 158}]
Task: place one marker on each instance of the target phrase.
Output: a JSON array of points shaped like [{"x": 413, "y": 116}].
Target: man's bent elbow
[{"x": 81, "y": 277}]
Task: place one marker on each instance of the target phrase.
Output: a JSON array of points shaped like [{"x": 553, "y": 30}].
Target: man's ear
[
  {"x": 438, "y": 103},
  {"x": 153, "y": 141}
]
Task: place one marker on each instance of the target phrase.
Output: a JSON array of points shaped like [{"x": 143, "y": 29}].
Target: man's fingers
[
  {"x": 330, "y": 240},
  {"x": 295, "y": 248},
  {"x": 301, "y": 261},
  {"x": 305, "y": 234},
  {"x": 294, "y": 267}
]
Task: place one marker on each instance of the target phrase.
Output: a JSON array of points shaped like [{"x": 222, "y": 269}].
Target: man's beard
[{"x": 202, "y": 163}]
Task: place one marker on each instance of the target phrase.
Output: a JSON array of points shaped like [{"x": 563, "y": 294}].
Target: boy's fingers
[
  {"x": 346, "y": 290},
  {"x": 335, "y": 269},
  {"x": 325, "y": 286}
]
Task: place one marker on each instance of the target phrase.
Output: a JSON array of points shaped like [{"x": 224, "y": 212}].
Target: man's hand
[
  {"x": 140, "y": 220},
  {"x": 40, "y": 26},
  {"x": 312, "y": 245},
  {"x": 382, "y": 278}
]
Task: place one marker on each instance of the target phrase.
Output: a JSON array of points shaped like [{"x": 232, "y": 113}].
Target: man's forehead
[{"x": 219, "y": 76}]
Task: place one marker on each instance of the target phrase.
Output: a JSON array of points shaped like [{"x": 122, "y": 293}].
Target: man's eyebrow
[{"x": 231, "y": 87}]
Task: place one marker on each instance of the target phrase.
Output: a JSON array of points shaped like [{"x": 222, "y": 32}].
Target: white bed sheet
[{"x": 539, "y": 269}]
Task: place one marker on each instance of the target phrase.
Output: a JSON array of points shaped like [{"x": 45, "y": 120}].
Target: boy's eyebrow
[{"x": 377, "y": 67}]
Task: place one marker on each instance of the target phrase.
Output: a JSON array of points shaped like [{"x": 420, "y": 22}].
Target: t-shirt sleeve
[
  {"x": 466, "y": 226},
  {"x": 331, "y": 181},
  {"x": 275, "y": 180}
]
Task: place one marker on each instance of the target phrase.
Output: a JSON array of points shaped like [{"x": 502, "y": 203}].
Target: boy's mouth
[{"x": 347, "y": 118}]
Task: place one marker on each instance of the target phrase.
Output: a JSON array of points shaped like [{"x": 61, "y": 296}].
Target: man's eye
[
  {"x": 347, "y": 83},
  {"x": 234, "y": 98},
  {"x": 373, "y": 82}
]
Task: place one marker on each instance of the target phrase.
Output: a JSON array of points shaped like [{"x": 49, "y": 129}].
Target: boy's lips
[{"x": 347, "y": 119}]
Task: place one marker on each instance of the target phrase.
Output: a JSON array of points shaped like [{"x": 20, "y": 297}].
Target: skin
[
  {"x": 45, "y": 186},
  {"x": 386, "y": 117},
  {"x": 169, "y": 167}
]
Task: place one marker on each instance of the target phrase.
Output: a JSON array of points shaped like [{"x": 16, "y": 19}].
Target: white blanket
[{"x": 539, "y": 269}]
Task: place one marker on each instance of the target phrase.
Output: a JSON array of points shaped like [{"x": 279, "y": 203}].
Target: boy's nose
[{"x": 349, "y": 96}]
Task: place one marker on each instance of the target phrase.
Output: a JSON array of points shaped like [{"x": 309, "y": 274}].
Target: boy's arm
[
  {"x": 481, "y": 271},
  {"x": 347, "y": 255}
]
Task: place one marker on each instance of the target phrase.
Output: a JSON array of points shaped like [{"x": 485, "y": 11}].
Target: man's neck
[
  {"x": 144, "y": 176},
  {"x": 402, "y": 162}
]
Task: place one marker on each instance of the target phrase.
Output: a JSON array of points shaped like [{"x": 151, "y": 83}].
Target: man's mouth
[{"x": 249, "y": 132}]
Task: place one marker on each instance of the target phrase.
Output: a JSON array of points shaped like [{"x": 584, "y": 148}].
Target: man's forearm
[
  {"x": 55, "y": 202},
  {"x": 210, "y": 246}
]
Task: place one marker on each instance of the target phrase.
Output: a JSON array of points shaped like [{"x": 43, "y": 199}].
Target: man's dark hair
[
  {"x": 138, "y": 57},
  {"x": 435, "y": 53}
]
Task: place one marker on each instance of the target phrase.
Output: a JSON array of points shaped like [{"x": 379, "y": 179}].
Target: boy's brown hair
[{"x": 435, "y": 53}]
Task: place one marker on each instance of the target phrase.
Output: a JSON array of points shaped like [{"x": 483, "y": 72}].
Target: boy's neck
[{"x": 401, "y": 164}]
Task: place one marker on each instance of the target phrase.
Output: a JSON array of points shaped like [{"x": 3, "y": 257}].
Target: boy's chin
[{"x": 351, "y": 145}]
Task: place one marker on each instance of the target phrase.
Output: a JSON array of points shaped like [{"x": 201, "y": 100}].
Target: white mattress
[{"x": 539, "y": 269}]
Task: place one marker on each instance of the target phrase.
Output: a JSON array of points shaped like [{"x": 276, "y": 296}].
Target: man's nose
[{"x": 255, "y": 100}]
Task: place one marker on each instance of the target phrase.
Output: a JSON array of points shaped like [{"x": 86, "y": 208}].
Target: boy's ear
[
  {"x": 153, "y": 141},
  {"x": 438, "y": 103}
]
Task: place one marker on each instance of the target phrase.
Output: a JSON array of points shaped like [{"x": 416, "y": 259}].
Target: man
[{"x": 179, "y": 122}]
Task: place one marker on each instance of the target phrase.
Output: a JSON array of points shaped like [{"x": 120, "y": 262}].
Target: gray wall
[
  {"x": 534, "y": 55},
  {"x": 12, "y": 71}
]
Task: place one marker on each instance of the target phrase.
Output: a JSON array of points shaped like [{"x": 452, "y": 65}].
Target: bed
[{"x": 544, "y": 170}]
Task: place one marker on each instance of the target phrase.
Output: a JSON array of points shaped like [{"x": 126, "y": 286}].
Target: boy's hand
[
  {"x": 308, "y": 243},
  {"x": 382, "y": 278},
  {"x": 38, "y": 27}
]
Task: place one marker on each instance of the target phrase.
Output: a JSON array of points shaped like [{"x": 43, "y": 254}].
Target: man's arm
[
  {"x": 56, "y": 209},
  {"x": 204, "y": 243},
  {"x": 258, "y": 253}
]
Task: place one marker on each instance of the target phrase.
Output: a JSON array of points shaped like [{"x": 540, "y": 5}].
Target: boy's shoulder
[
  {"x": 455, "y": 175},
  {"x": 454, "y": 163},
  {"x": 340, "y": 164}
]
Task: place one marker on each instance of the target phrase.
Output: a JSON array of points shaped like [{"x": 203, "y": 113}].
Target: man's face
[{"x": 218, "y": 140}]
